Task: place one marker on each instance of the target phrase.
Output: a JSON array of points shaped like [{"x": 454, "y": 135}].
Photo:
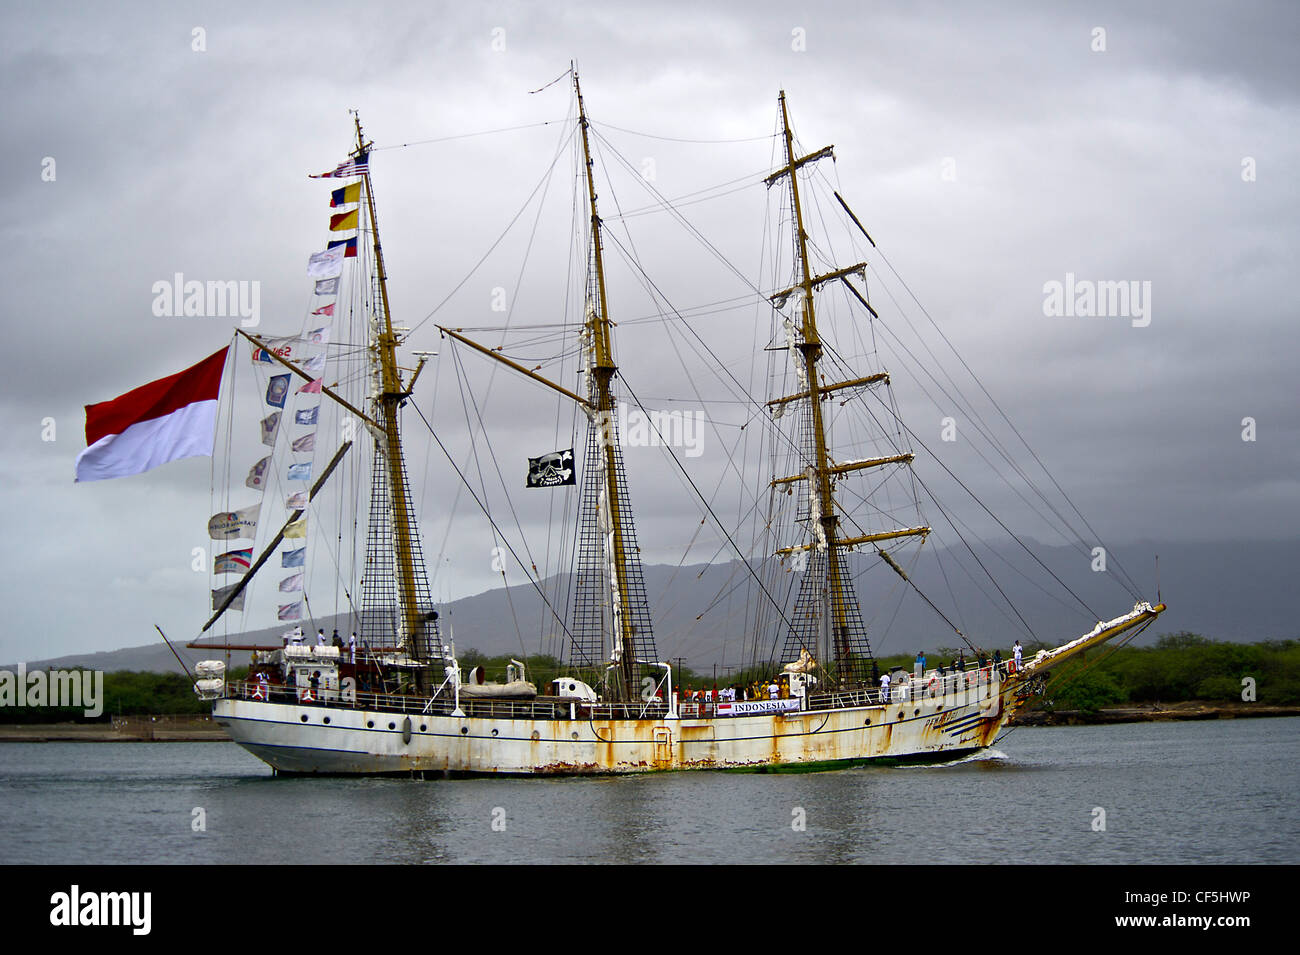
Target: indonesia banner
[{"x": 165, "y": 420}]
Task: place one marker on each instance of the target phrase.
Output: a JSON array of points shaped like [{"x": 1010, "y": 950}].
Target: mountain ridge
[{"x": 1233, "y": 591}]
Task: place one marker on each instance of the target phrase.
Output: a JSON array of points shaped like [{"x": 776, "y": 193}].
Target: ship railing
[
  {"x": 655, "y": 709},
  {"x": 333, "y": 696},
  {"x": 541, "y": 708},
  {"x": 843, "y": 699},
  {"x": 931, "y": 686},
  {"x": 697, "y": 711}
]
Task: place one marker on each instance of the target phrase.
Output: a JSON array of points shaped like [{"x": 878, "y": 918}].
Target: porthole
[
  {"x": 868, "y": 722},
  {"x": 392, "y": 726},
  {"x": 916, "y": 712},
  {"x": 575, "y": 735},
  {"x": 536, "y": 736},
  {"x": 370, "y": 724},
  {"x": 464, "y": 730},
  {"x": 423, "y": 727},
  {"x": 494, "y": 732},
  {"x": 303, "y": 717},
  {"x": 326, "y": 720}
]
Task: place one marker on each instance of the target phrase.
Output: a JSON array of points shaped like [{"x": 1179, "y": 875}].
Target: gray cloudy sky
[{"x": 989, "y": 148}]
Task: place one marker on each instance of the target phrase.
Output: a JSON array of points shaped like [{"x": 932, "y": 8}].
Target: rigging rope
[
  {"x": 546, "y": 178},
  {"x": 484, "y": 132},
  {"x": 465, "y": 481},
  {"x": 674, "y": 139},
  {"x": 708, "y": 507}
]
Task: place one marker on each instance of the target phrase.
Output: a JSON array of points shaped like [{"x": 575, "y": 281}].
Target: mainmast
[
  {"x": 602, "y": 369},
  {"x": 847, "y": 633},
  {"x": 610, "y": 593},
  {"x": 388, "y": 399}
]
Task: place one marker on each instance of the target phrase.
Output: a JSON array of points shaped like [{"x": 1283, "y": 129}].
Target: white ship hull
[
  {"x": 933, "y": 719},
  {"x": 298, "y": 738}
]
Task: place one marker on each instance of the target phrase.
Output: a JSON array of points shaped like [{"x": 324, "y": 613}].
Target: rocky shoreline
[
  {"x": 1152, "y": 713},
  {"x": 122, "y": 729}
]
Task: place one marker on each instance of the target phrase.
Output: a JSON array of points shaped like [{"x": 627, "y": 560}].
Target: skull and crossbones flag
[{"x": 551, "y": 470}]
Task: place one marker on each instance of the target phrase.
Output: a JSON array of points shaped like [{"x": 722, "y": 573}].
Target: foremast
[
  {"x": 847, "y": 632},
  {"x": 388, "y": 397}
]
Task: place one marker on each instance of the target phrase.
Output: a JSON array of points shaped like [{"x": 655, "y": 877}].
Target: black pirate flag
[{"x": 551, "y": 470}]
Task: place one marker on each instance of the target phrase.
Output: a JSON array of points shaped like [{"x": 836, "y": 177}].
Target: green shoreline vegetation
[{"x": 1179, "y": 668}]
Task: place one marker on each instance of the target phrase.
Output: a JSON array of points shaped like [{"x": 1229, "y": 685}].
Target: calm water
[{"x": 1211, "y": 792}]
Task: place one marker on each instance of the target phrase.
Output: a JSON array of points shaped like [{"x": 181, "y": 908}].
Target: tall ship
[{"x": 388, "y": 694}]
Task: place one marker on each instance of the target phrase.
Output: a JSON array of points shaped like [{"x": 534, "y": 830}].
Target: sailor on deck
[
  {"x": 352, "y": 647},
  {"x": 884, "y": 688},
  {"x": 320, "y": 637}
]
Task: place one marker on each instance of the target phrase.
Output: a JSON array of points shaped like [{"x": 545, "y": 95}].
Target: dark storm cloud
[{"x": 1117, "y": 165}]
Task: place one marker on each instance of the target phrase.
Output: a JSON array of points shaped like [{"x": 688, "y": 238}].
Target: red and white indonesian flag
[{"x": 165, "y": 420}]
